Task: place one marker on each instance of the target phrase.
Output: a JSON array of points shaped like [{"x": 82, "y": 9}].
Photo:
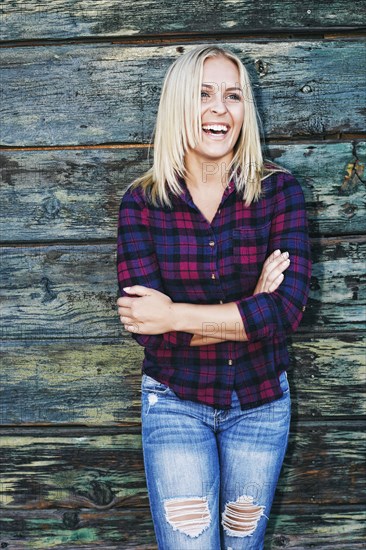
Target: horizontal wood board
[
  {"x": 89, "y": 383},
  {"x": 106, "y": 93},
  {"x": 324, "y": 464},
  {"x": 135, "y": 18},
  {"x": 74, "y": 195}
]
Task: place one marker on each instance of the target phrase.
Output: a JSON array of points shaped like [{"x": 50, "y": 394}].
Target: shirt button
[
  {"x": 303, "y": 308},
  {"x": 230, "y": 362},
  {"x": 213, "y": 276},
  {"x": 212, "y": 243},
  {"x": 221, "y": 302},
  {"x": 220, "y": 211}
]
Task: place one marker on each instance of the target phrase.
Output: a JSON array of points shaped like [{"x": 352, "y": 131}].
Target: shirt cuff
[{"x": 260, "y": 316}]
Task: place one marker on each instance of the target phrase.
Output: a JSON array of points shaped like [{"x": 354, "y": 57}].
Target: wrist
[{"x": 177, "y": 316}]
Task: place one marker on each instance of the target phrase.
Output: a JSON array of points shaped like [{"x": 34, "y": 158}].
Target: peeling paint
[{"x": 352, "y": 178}]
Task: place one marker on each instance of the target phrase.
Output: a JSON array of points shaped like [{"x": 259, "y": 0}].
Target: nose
[{"x": 218, "y": 105}]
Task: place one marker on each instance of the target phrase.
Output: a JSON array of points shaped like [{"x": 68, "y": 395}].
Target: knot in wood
[
  {"x": 281, "y": 542},
  {"x": 306, "y": 89},
  {"x": 51, "y": 207},
  {"x": 70, "y": 519},
  {"x": 261, "y": 67}
]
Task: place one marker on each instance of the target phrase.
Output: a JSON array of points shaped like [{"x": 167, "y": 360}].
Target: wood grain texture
[
  {"x": 71, "y": 195},
  {"x": 85, "y": 74},
  {"x": 289, "y": 527},
  {"x": 97, "y": 94},
  {"x": 106, "y": 18},
  {"x": 70, "y": 291},
  {"x": 67, "y": 469},
  {"x": 83, "y": 382}
]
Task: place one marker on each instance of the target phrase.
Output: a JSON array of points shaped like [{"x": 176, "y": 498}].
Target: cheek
[{"x": 240, "y": 117}]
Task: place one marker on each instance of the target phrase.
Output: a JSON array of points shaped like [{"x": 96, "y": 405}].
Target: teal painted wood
[
  {"x": 74, "y": 195},
  {"x": 90, "y": 479},
  {"x": 96, "y": 94},
  {"x": 106, "y": 18},
  {"x": 98, "y": 383},
  {"x": 296, "y": 527},
  {"x": 76, "y": 468},
  {"x": 70, "y": 291}
]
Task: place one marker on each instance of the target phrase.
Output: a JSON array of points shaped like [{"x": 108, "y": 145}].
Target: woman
[{"x": 213, "y": 268}]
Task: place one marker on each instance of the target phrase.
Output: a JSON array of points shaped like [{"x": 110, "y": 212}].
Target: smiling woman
[{"x": 213, "y": 266}]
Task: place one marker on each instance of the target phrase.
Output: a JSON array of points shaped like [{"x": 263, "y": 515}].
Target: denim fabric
[{"x": 222, "y": 465}]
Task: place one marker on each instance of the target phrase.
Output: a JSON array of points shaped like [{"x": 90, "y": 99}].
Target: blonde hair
[{"x": 178, "y": 127}]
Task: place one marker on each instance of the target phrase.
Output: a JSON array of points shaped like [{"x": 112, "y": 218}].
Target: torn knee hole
[
  {"x": 190, "y": 516},
  {"x": 240, "y": 518}
]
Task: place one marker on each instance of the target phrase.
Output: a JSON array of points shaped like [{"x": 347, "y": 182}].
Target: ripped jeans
[{"x": 211, "y": 473}]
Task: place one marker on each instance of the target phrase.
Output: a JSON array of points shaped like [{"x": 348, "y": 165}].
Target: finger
[
  {"x": 131, "y": 327},
  {"x": 124, "y": 311},
  {"x": 126, "y": 320},
  {"x": 279, "y": 256},
  {"x": 124, "y": 301},
  {"x": 272, "y": 257},
  {"x": 276, "y": 262},
  {"x": 139, "y": 290},
  {"x": 276, "y": 283},
  {"x": 273, "y": 273}
]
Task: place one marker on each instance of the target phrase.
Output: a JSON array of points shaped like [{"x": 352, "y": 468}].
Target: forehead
[{"x": 220, "y": 69}]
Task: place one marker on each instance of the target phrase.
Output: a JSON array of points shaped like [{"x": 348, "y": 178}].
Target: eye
[
  {"x": 235, "y": 97},
  {"x": 204, "y": 94}
]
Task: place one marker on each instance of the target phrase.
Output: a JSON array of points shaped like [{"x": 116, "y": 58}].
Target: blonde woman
[{"x": 213, "y": 267}]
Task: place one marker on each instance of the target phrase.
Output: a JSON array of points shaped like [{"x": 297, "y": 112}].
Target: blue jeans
[{"x": 211, "y": 473}]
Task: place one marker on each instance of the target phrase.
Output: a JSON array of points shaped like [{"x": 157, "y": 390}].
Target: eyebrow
[{"x": 211, "y": 87}]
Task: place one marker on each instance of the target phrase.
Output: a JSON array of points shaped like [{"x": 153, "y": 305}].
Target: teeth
[{"x": 216, "y": 127}]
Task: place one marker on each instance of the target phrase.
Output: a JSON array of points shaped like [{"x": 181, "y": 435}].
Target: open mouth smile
[{"x": 216, "y": 131}]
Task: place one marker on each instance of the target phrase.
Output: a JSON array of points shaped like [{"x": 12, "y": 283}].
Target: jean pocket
[
  {"x": 285, "y": 387},
  {"x": 149, "y": 384}
]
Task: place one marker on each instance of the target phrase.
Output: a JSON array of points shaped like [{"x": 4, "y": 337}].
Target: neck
[{"x": 203, "y": 174}]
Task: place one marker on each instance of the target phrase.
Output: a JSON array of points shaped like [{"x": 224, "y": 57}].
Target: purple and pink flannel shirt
[{"x": 178, "y": 252}]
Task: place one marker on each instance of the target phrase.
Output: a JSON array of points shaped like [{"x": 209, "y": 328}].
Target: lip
[{"x": 217, "y": 137}]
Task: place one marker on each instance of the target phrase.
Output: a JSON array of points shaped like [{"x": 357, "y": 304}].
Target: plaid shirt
[{"x": 178, "y": 252}]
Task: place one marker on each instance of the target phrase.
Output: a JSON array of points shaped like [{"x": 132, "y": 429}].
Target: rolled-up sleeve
[
  {"x": 137, "y": 264},
  {"x": 272, "y": 314}
]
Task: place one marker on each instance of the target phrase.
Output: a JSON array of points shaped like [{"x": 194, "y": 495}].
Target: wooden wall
[{"x": 80, "y": 84}]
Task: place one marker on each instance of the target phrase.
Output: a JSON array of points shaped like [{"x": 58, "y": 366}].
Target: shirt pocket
[{"x": 250, "y": 246}]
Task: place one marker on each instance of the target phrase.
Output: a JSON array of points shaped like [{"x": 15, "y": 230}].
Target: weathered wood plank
[
  {"x": 71, "y": 291},
  {"x": 288, "y": 527},
  {"x": 75, "y": 194},
  {"x": 95, "y": 94},
  {"x": 88, "y": 383},
  {"x": 324, "y": 465},
  {"x": 85, "y": 529},
  {"x": 66, "y": 19}
]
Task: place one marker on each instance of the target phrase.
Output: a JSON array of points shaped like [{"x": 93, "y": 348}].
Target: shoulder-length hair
[{"x": 178, "y": 127}]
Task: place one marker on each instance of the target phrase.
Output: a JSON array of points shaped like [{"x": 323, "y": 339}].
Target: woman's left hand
[{"x": 148, "y": 312}]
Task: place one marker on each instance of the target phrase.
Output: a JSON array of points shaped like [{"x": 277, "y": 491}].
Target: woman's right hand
[{"x": 272, "y": 272}]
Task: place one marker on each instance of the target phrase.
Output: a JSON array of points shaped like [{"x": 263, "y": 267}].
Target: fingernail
[
  {"x": 285, "y": 254},
  {"x": 127, "y": 288},
  {"x": 277, "y": 252}
]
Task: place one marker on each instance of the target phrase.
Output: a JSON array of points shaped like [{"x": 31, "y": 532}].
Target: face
[{"x": 222, "y": 110}]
